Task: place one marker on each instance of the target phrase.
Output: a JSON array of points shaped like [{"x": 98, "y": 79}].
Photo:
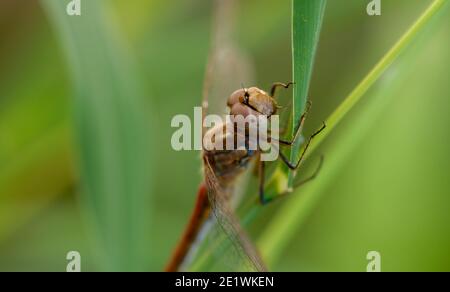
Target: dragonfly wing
[
  {"x": 247, "y": 255},
  {"x": 227, "y": 70},
  {"x": 228, "y": 67}
]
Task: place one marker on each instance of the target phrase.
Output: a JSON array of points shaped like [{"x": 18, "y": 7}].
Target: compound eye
[{"x": 246, "y": 97}]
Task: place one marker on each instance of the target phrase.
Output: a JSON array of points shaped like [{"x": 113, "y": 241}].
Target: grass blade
[
  {"x": 112, "y": 133},
  {"x": 283, "y": 226},
  {"x": 359, "y": 91},
  {"x": 307, "y": 17},
  {"x": 33, "y": 179}
]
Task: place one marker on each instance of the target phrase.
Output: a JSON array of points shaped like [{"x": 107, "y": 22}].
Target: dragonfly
[{"x": 222, "y": 168}]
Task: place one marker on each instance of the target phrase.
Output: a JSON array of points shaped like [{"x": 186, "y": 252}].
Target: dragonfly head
[{"x": 251, "y": 101}]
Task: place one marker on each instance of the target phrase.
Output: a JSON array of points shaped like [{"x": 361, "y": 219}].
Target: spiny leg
[
  {"x": 262, "y": 197},
  {"x": 279, "y": 84},
  {"x": 262, "y": 179},
  {"x": 286, "y": 160},
  {"x": 298, "y": 127},
  {"x": 265, "y": 200}
]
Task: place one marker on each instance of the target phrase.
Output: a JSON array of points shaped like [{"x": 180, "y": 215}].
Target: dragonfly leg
[
  {"x": 279, "y": 84},
  {"x": 265, "y": 200},
  {"x": 298, "y": 127},
  {"x": 261, "y": 168},
  {"x": 296, "y": 165}
]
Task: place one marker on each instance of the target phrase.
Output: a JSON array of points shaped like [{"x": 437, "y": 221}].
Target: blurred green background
[{"x": 85, "y": 156}]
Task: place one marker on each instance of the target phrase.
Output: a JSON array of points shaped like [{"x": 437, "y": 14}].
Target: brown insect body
[
  {"x": 222, "y": 167},
  {"x": 228, "y": 164}
]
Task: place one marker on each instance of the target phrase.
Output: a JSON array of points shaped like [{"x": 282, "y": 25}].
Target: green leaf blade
[
  {"x": 284, "y": 225},
  {"x": 113, "y": 134},
  {"x": 307, "y": 18}
]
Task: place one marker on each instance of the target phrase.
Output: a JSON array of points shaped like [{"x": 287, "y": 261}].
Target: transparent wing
[
  {"x": 234, "y": 248},
  {"x": 228, "y": 68},
  {"x": 222, "y": 243}
]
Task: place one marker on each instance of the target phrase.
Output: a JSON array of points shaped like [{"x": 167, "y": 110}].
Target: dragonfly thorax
[{"x": 229, "y": 162}]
